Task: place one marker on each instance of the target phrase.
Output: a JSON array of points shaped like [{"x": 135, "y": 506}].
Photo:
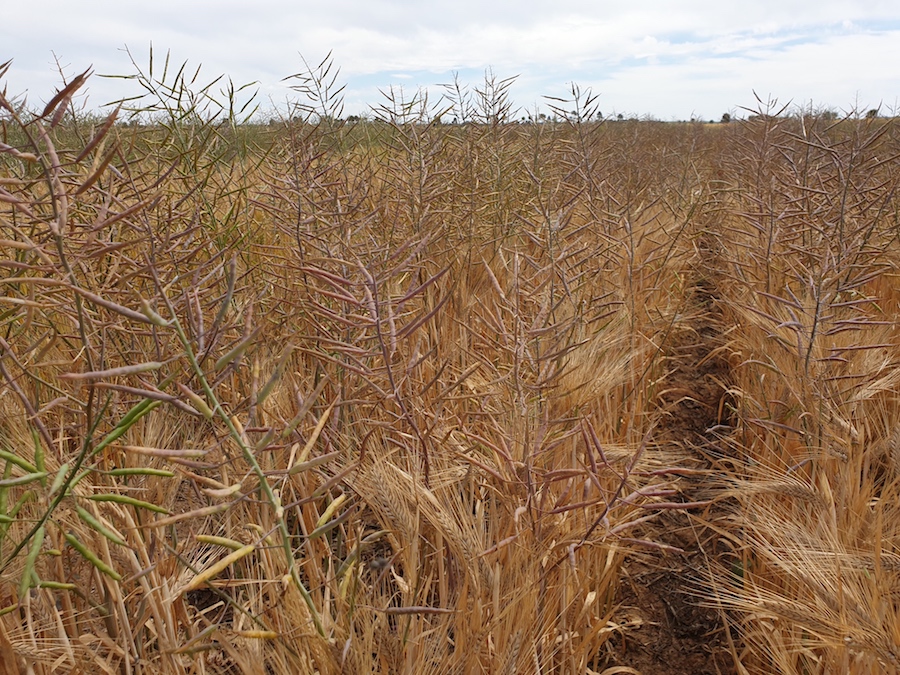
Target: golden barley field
[{"x": 398, "y": 396}]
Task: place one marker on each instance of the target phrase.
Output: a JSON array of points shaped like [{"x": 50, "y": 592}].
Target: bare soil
[{"x": 670, "y": 633}]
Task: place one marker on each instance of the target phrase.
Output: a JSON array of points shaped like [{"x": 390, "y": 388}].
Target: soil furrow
[{"x": 668, "y": 632}]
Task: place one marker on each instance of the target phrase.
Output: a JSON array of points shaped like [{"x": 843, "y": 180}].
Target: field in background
[{"x": 401, "y": 396}]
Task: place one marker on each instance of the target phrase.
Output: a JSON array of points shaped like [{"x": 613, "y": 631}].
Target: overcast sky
[{"x": 668, "y": 60}]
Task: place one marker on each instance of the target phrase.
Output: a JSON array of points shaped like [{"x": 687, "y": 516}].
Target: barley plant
[
  {"x": 388, "y": 395},
  {"x": 809, "y": 264}
]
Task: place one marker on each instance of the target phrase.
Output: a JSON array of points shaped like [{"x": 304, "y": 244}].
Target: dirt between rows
[{"x": 671, "y": 634}]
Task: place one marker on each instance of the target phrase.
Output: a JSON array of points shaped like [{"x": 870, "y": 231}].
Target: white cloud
[{"x": 656, "y": 58}]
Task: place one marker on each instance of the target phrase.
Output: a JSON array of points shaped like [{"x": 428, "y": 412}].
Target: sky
[{"x": 669, "y": 61}]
